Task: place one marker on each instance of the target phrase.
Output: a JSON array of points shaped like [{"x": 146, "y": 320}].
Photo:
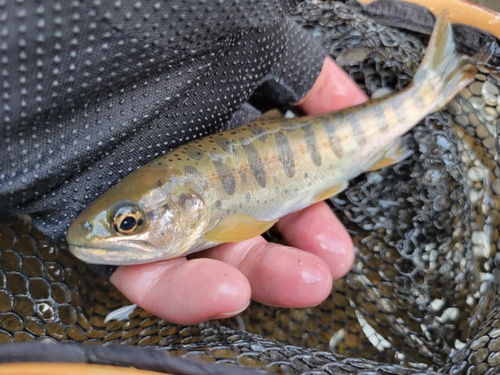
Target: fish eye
[{"x": 128, "y": 220}]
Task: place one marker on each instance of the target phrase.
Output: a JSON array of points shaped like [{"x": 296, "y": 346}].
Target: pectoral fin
[
  {"x": 396, "y": 153},
  {"x": 331, "y": 192},
  {"x": 238, "y": 227}
]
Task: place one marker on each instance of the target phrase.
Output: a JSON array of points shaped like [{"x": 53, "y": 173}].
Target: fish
[{"x": 236, "y": 184}]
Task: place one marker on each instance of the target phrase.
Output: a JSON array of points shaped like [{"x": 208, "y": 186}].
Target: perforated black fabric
[{"x": 93, "y": 90}]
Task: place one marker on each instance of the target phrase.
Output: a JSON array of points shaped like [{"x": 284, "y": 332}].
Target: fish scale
[{"x": 236, "y": 184}]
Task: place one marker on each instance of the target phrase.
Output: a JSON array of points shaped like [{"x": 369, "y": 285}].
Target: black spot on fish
[
  {"x": 259, "y": 132},
  {"x": 285, "y": 154},
  {"x": 248, "y": 197},
  {"x": 218, "y": 205},
  {"x": 225, "y": 144},
  {"x": 312, "y": 145},
  {"x": 195, "y": 153},
  {"x": 159, "y": 183},
  {"x": 255, "y": 162}
]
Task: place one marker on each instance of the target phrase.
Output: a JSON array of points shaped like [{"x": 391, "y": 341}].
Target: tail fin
[{"x": 451, "y": 71}]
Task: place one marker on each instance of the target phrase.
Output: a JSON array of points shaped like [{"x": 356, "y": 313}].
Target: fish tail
[{"x": 446, "y": 71}]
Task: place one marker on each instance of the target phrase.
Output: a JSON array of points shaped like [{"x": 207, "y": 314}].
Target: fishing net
[{"x": 423, "y": 292}]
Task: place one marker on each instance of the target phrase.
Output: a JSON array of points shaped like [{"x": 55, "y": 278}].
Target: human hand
[{"x": 219, "y": 282}]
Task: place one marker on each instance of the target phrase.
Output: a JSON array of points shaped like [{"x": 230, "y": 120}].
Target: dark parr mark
[
  {"x": 242, "y": 174},
  {"x": 259, "y": 132},
  {"x": 359, "y": 134},
  {"x": 333, "y": 138},
  {"x": 225, "y": 176},
  {"x": 380, "y": 119},
  {"x": 312, "y": 145},
  {"x": 255, "y": 162},
  {"x": 224, "y": 143},
  {"x": 285, "y": 153},
  {"x": 195, "y": 153}
]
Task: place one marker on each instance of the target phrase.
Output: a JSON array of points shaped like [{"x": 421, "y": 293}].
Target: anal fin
[
  {"x": 331, "y": 192},
  {"x": 395, "y": 153},
  {"x": 237, "y": 227}
]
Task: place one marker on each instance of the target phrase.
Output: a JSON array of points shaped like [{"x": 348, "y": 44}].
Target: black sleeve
[{"x": 91, "y": 91}]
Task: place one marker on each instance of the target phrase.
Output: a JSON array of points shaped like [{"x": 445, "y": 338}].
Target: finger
[
  {"x": 279, "y": 275},
  {"x": 185, "y": 292},
  {"x": 317, "y": 230},
  {"x": 333, "y": 90}
]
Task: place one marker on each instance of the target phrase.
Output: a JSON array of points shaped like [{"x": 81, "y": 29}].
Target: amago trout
[{"x": 236, "y": 184}]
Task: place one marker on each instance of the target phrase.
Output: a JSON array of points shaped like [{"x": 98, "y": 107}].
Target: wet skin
[{"x": 221, "y": 281}]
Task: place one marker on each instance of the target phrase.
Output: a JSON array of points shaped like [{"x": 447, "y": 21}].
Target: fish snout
[{"x": 82, "y": 230}]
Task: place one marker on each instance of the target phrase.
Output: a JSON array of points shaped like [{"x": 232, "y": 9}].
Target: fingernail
[
  {"x": 359, "y": 99},
  {"x": 331, "y": 243},
  {"x": 338, "y": 253},
  {"x": 224, "y": 315}
]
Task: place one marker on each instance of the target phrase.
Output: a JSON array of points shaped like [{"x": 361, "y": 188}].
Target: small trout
[{"x": 236, "y": 184}]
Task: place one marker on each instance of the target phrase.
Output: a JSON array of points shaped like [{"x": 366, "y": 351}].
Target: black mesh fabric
[{"x": 93, "y": 90}]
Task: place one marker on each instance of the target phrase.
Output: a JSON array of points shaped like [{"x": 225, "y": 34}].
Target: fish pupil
[
  {"x": 128, "y": 223},
  {"x": 127, "y": 220}
]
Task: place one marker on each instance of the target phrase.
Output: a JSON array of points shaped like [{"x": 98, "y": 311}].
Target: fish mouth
[{"x": 111, "y": 257}]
